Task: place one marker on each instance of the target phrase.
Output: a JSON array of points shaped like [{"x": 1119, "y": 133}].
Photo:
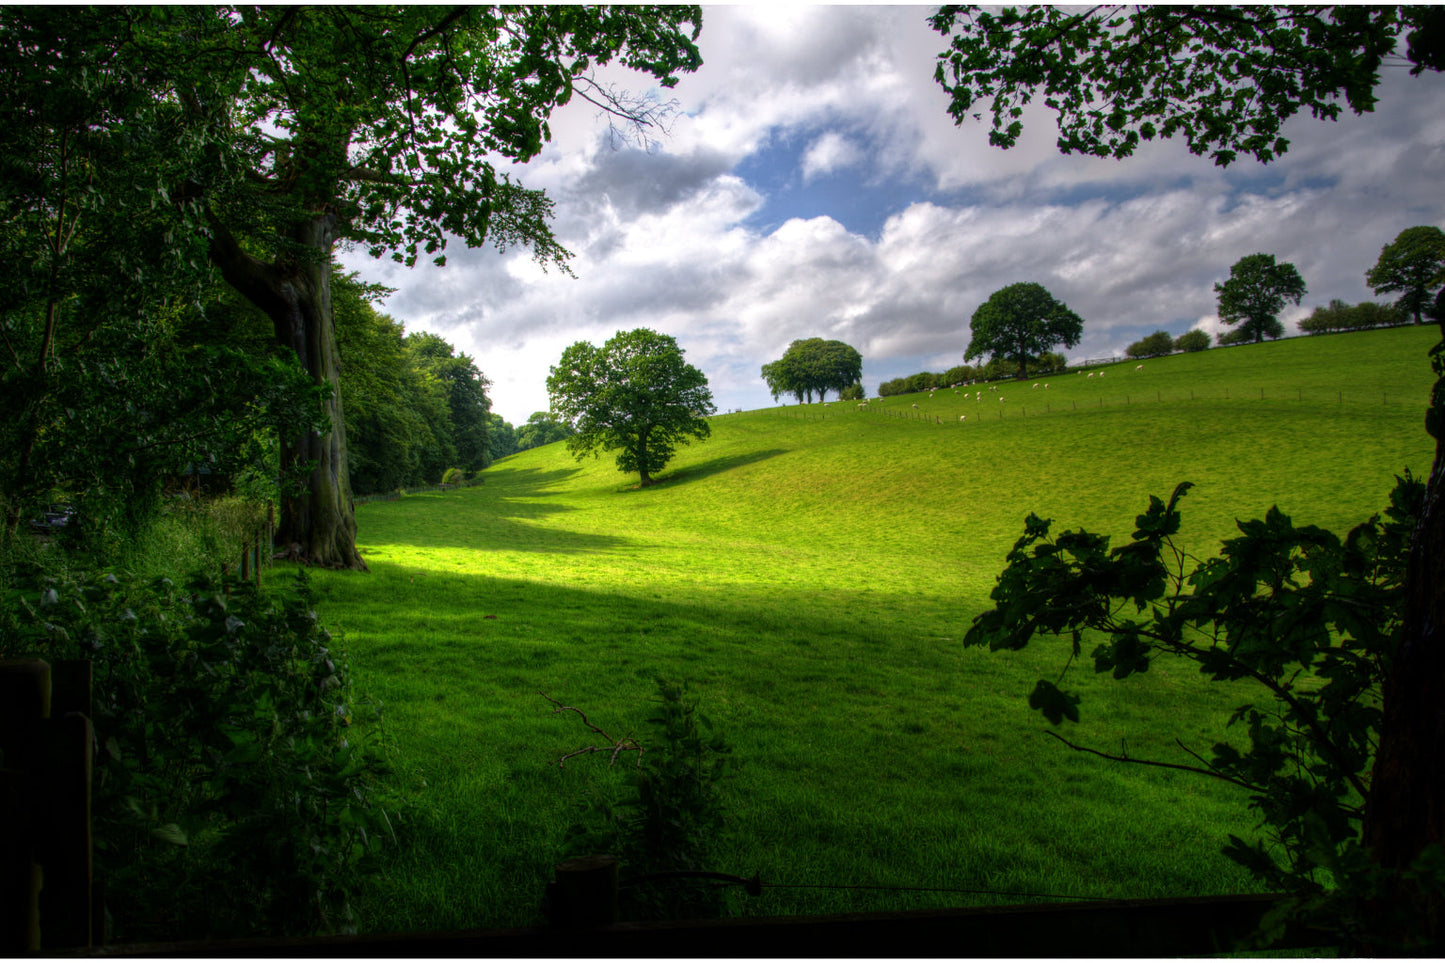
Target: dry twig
[{"x": 615, "y": 746}]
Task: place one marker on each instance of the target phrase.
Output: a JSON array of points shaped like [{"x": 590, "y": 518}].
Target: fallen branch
[{"x": 615, "y": 746}]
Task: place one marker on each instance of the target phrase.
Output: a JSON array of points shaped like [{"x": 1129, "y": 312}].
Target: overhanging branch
[{"x": 1161, "y": 765}]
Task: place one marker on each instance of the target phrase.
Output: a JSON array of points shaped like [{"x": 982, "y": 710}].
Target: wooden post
[
  {"x": 584, "y": 893},
  {"x": 64, "y": 834},
  {"x": 24, "y": 703},
  {"x": 45, "y": 849}
]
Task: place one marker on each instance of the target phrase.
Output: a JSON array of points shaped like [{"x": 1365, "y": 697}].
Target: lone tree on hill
[
  {"x": 814, "y": 365},
  {"x": 1414, "y": 265},
  {"x": 1020, "y": 323},
  {"x": 1226, "y": 79},
  {"x": 636, "y": 394},
  {"x": 294, "y": 128},
  {"x": 1255, "y": 294}
]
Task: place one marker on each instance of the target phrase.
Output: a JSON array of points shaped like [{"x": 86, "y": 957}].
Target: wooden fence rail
[{"x": 1127, "y": 928}]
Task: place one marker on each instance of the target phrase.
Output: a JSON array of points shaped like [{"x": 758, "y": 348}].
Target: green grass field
[{"x": 811, "y": 571}]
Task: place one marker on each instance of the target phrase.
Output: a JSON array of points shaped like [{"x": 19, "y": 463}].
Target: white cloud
[
  {"x": 829, "y": 153},
  {"x": 666, "y": 239}
]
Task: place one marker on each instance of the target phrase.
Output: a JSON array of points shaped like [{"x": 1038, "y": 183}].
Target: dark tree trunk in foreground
[
  {"x": 317, "y": 525},
  {"x": 1406, "y": 810}
]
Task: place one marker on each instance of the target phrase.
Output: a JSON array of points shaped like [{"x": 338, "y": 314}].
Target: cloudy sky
[{"x": 812, "y": 184}]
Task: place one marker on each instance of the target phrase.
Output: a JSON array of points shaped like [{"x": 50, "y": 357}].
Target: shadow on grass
[
  {"x": 491, "y": 518},
  {"x": 715, "y": 466}
]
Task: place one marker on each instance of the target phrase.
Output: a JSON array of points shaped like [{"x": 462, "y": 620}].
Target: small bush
[
  {"x": 669, "y": 819},
  {"x": 1155, "y": 345},
  {"x": 854, "y": 392},
  {"x": 1191, "y": 341},
  {"x": 454, "y": 476}
]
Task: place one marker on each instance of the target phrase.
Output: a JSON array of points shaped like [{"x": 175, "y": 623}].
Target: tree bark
[
  {"x": 318, "y": 525},
  {"x": 1405, "y": 812}
]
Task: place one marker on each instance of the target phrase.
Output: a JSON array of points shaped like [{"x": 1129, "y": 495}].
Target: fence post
[
  {"x": 24, "y": 702},
  {"x": 45, "y": 849},
  {"x": 584, "y": 892}
]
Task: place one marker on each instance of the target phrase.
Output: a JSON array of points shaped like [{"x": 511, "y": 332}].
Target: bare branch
[
  {"x": 637, "y": 112},
  {"x": 614, "y": 746},
  {"x": 1162, "y": 765}
]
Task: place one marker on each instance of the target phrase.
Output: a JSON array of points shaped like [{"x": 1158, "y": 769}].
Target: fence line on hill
[{"x": 816, "y": 412}]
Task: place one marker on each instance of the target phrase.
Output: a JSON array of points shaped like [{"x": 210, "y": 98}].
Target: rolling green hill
[{"x": 811, "y": 570}]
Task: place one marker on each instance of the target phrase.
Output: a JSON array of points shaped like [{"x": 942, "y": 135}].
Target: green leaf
[{"x": 171, "y": 833}]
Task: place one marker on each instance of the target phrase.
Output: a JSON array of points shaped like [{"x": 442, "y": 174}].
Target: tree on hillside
[
  {"x": 1191, "y": 341},
  {"x": 541, "y": 429},
  {"x": 1226, "y": 78},
  {"x": 1414, "y": 265},
  {"x": 635, "y": 395},
  {"x": 814, "y": 364},
  {"x": 1021, "y": 322},
  {"x": 1255, "y": 293},
  {"x": 1155, "y": 345},
  {"x": 295, "y": 128}
]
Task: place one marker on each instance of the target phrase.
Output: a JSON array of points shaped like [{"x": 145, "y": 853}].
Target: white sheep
[
  {"x": 1036, "y": 384},
  {"x": 1091, "y": 374},
  {"x": 963, "y": 417},
  {"x": 915, "y": 406},
  {"x": 1138, "y": 366}
]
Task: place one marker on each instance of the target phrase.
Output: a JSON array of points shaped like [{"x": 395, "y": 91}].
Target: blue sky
[{"x": 812, "y": 184}]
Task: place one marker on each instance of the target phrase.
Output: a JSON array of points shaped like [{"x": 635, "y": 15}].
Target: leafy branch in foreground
[{"x": 1306, "y": 619}]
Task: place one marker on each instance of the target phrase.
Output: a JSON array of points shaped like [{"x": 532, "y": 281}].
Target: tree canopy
[
  {"x": 635, "y": 395},
  {"x": 1192, "y": 340},
  {"x": 541, "y": 429},
  {"x": 1020, "y": 323},
  {"x": 1414, "y": 265},
  {"x": 1255, "y": 293},
  {"x": 1155, "y": 345},
  {"x": 1225, "y": 78},
  {"x": 263, "y": 136},
  {"x": 814, "y": 364}
]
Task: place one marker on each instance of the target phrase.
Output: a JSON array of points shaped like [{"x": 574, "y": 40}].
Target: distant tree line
[
  {"x": 539, "y": 429},
  {"x": 414, "y": 406},
  {"x": 959, "y": 374},
  {"x": 1161, "y": 343}
]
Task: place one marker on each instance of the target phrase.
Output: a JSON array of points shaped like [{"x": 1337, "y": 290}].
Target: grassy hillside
[{"x": 812, "y": 570}]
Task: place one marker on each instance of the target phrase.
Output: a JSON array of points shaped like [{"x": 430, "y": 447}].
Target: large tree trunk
[
  {"x": 318, "y": 525},
  {"x": 1406, "y": 808}
]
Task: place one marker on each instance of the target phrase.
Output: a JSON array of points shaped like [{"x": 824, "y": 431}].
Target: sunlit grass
[{"x": 812, "y": 571}]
